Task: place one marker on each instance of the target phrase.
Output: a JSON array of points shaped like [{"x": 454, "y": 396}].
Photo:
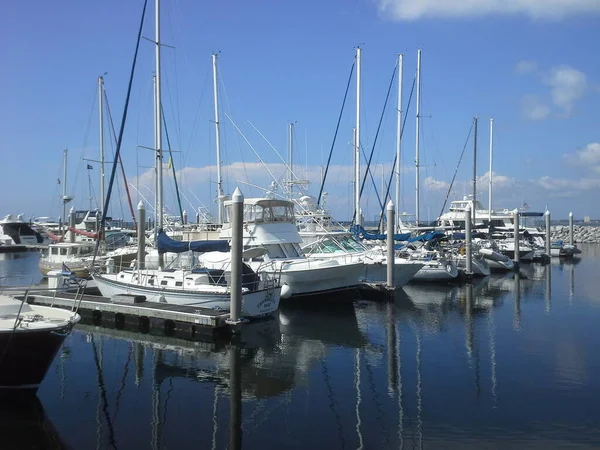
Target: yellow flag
[{"x": 170, "y": 164}]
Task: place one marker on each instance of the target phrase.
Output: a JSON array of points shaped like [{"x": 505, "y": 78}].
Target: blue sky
[{"x": 531, "y": 65}]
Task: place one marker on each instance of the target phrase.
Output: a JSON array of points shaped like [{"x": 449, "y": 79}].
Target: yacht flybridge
[
  {"x": 455, "y": 217},
  {"x": 270, "y": 224}
]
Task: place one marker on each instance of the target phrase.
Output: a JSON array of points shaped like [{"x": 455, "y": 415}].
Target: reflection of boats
[
  {"x": 30, "y": 337},
  {"x": 25, "y": 425}
]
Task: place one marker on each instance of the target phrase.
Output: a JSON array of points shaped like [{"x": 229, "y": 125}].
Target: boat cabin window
[
  {"x": 64, "y": 251},
  {"x": 268, "y": 213},
  {"x": 163, "y": 282},
  {"x": 290, "y": 250}
]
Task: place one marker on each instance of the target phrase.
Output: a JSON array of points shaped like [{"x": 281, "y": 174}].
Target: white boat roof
[{"x": 264, "y": 202}]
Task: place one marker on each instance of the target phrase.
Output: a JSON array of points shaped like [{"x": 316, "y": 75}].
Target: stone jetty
[{"x": 580, "y": 233}]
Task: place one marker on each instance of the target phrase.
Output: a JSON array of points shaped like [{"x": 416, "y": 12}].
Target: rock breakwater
[{"x": 580, "y": 233}]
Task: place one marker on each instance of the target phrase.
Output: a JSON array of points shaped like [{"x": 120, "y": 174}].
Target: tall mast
[
  {"x": 64, "y": 196},
  {"x": 357, "y": 218},
  {"x": 491, "y": 159},
  {"x": 398, "y": 139},
  {"x": 291, "y": 162},
  {"x": 101, "y": 119},
  {"x": 220, "y": 194},
  {"x": 158, "y": 123},
  {"x": 474, "y": 169},
  {"x": 417, "y": 205}
]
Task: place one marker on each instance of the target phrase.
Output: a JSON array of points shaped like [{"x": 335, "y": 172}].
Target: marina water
[{"x": 509, "y": 362}]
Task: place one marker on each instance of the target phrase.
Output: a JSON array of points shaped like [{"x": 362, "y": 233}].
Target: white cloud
[
  {"x": 566, "y": 186},
  {"x": 587, "y": 156},
  {"x": 533, "y": 108},
  {"x": 498, "y": 181},
  {"x": 546, "y": 9},
  {"x": 436, "y": 185},
  {"x": 567, "y": 86},
  {"x": 526, "y": 66}
]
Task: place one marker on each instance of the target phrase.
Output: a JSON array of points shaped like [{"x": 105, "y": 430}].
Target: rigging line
[
  {"x": 111, "y": 431},
  {"x": 85, "y": 140},
  {"x": 387, "y": 195},
  {"x": 172, "y": 164},
  {"x": 456, "y": 171},
  {"x": 120, "y": 139},
  {"x": 271, "y": 145},
  {"x": 387, "y": 97},
  {"x": 237, "y": 138},
  {"x": 197, "y": 116},
  {"x": 337, "y": 127},
  {"x": 255, "y": 152},
  {"x": 112, "y": 126},
  {"x": 123, "y": 382}
]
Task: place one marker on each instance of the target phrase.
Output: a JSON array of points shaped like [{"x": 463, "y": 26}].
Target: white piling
[
  {"x": 197, "y": 218},
  {"x": 571, "y": 236},
  {"x": 390, "y": 211},
  {"x": 469, "y": 268},
  {"x": 141, "y": 255},
  {"x": 516, "y": 236},
  {"x": 184, "y": 217},
  {"x": 237, "y": 223},
  {"x": 72, "y": 225},
  {"x": 548, "y": 238}
]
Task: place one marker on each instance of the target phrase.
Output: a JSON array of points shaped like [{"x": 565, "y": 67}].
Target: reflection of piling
[
  {"x": 138, "y": 360},
  {"x": 469, "y": 320},
  {"x": 72, "y": 226},
  {"x": 517, "y": 311},
  {"x": 390, "y": 244},
  {"x": 516, "y": 236},
  {"x": 571, "y": 281},
  {"x": 141, "y": 256},
  {"x": 571, "y": 237},
  {"x": 235, "y": 398},
  {"x": 469, "y": 268},
  {"x": 237, "y": 219},
  {"x": 548, "y": 288},
  {"x": 392, "y": 362},
  {"x": 548, "y": 238}
]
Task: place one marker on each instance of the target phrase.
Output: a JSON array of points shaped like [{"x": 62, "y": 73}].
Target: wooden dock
[{"x": 182, "y": 321}]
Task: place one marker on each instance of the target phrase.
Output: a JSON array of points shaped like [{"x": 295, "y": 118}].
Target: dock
[{"x": 135, "y": 314}]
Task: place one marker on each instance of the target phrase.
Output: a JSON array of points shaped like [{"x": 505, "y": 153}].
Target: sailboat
[{"x": 196, "y": 284}]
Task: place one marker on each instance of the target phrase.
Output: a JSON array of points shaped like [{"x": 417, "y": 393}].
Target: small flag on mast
[{"x": 89, "y": 166}]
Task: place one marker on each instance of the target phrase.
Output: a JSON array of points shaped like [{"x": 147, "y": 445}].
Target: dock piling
[
  {"x": 390, "y": 211},
  {"x": 548, "y": 238},
  {"x": 141, "y": 256},
  {"x": 237, "y": 220},
  {"x": 516, "y": 257},
  {"x": 469, "y": 262},
  {"x": 571, "y": 236},
  {"x": 71, "y": 225}
]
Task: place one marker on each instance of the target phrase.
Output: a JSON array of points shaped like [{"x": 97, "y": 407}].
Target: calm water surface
[{"x": 511, "y": 362}]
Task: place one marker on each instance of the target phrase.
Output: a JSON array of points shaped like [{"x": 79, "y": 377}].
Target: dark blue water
[{"x": 511, "y": 362}]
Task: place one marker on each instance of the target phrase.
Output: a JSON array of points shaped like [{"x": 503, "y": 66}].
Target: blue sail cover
[
  {"x": 428, "y": 237},
  {"x": 167, "y": 245},
  {"x": 361, "y": 233}
]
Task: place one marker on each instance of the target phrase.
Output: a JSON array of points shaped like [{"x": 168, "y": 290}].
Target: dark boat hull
[{"x": 26, "y": 356}]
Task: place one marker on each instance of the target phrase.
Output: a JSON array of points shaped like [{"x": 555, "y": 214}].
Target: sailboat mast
[
  {"x": 220, "y": 194},
  {"x": 418, "y": 131},
  {"x": 101, "y": 119},
  {"x": 491, "y": 160},
  {"x": 291, "y": 161},
  {"x": 357, "y": 216},
  {"x": 158, "y": 123},
  {"x": 474, "y": 169},
  {"x": 64, "y": 196},
  {"x": 398, "y": 140}
]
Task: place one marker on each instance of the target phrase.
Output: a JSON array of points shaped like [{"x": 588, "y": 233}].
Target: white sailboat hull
[{"x": 254, "y": 304}]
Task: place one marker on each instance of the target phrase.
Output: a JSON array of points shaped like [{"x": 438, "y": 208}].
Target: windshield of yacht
[{"x": 266, "y": 213}]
